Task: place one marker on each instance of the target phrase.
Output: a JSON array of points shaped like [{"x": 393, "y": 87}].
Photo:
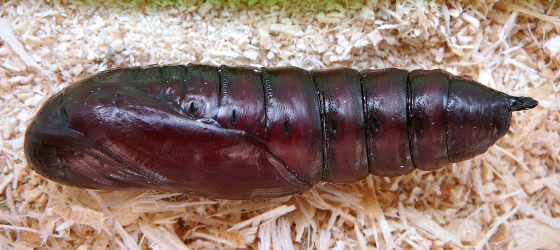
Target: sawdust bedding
[{"x": 507, "y": 198}]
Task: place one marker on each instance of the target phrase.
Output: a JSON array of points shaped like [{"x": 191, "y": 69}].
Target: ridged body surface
[{"x": 244, "y": 132}]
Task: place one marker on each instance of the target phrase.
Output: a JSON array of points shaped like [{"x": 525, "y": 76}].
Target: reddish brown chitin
[{"x": 243, "y": 132}]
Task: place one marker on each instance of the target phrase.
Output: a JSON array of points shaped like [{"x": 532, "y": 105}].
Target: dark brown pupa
[{"x": 244, "y": 132}]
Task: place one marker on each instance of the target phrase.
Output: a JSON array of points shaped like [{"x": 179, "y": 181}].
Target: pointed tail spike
[{"x": 517, "y": 103}]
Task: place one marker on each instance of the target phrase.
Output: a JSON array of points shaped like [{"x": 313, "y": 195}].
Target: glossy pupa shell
[{"x": 245, "y": 132}]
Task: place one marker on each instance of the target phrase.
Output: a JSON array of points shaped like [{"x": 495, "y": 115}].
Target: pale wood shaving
[
  {"x": 8, "y": 37},
  {"x": 274, "y": 213},
  {"x": 161, "y": 236}
]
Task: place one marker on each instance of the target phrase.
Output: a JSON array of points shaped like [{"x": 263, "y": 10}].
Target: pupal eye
[{"x": 63, "y": 116}]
